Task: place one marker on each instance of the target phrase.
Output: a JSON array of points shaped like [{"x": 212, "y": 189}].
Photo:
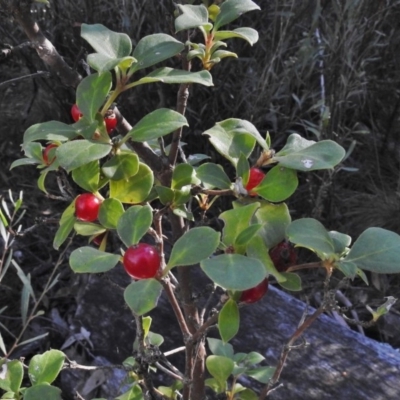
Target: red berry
[
  {"x": 254, "y": 294},
  {"x": 141, "y": 261},
  {"x": 110, "y": 121},
  {"x": 47, "y": 158},
  {"x": 98, "y": 239},
  {"x": 87, "y": 207},
  {"x": 76, "y": 113},
  {"x": 255, "y": 178},
  {"x": 283, "y": 255}
]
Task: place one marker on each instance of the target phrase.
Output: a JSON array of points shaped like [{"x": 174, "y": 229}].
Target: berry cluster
[{"x": 110, "y": 119}]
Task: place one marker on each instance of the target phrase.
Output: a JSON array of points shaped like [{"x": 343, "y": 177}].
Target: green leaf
[
  {"x": 170, "y": 75},
  {"x": 233, "y": 9},
  {"x": 376, "y": 250},
  {"x": 121, "y": 166},
  {"x": 134, "y": 224},
  {"x": 87, "y": 176},
  {"x": 165, "y": 194},
  {"x": 49, "y": 131},
  {"x": 306, "y": 155},
  {"x": 292, "y": 282},
  {"x": 191, "y": 17},
  {"x": 245, "y": 236},
  {"x": 136, "y": 188},
  {"x": 157, "y": 124},
  {"x": 311, "y": 234},
  {"x": 220, "y": 368},
  {"x": 89, "y": 260},
  {"x": 247, "y": 394},
  {"x": 74, "y": 154},
  {"x": 341, "y": 241},
  {"x": 112, "y": 48},
  {"x": 349, "y": 269},
  {"x": 11, "y": 374},
  {"x": 67, "y": 222},
  {"x": 155, "y": 48},
  {"x": 234, "y": 271},
  {"x": 146, "y": 323},
  {"x": 214, "y": 176},
  {"x": 183, "y": 175},
  {"x": 278, "y": 184},
  {"x": 228, "y": 320},
  {"x": 154, "y": 339},
  {"x": 261, "y": 374},
  {"x": 92, "y": 92},
  {"x": 110, "y": 212},
  {"x": 219, "y": 348},
  {"x": 248, "y": 34},
  {"x": 253, "y": 358},
  {"x": 42, "y": 391},
  {"x": 44, "y": 368},
  {"x": 243, "y": 169},
  {"x": 88, "y": 228},
  {"x": 195, "y": 245},
  {"x": 134, "y": 393},
  {"x": 23, "y": 161},
  {"x": 236, "y": 221},
  {"x": 34, "y": 150},
  {"x": 142, "y": 296},
  {"x": 232, "y": 137}
]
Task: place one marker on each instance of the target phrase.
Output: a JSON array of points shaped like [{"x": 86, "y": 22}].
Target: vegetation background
[{"x": 324, "y": 69}]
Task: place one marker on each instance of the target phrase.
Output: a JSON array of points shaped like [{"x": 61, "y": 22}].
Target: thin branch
[{"x": 20, "y": 78}]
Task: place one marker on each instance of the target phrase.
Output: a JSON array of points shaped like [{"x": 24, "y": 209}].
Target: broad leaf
[
  {"x": 183, "y": 175},
  {"x": 219, "y": 348},
  {"x": 214, "y": 176},
  {"x": 42, "y": 391},
  {"x": 121, "y": 166},
  {"x": 89, "y": 260},
  {"x": 170, "y": 75},
  {"x": 74, "y": 154},
  {"x": 87, "y": 176},
  {"x": 110, "y": 213},
  {"x": 261, "y": 374},
  {"x": 155, "y": 48},
  {"x": 44, "y": 368},
  {"x": 341, "y": 241},
  {"x": 136, "y": 188},
  {"x": 49, "y": 131},
  {"x": 191, "y": 17},
  {"x": 246, "y": 235},
  {"x": 157, "y": 124},
  {"x": 11, "y": 374},
  {"x": 92, "y": 92},
  {"x": 88, "y": 228},
  {"x": 349, "y": 269},
  {"x": 376, "y": 250},
  {"x": 194, "y": 246},
  {"x": 233, "y": 9},
  {"x": 142, "y": 296},
  {"x": 248, "y": 34},
  {"x": 311, "y": 234},
  {"x": 229, "y": 320},
  {"x": 134, "y": 224},
  {"x": 292, "y": 282},
  {"x": 234, "y": 271},
  {"x": 134, "y": 393}
]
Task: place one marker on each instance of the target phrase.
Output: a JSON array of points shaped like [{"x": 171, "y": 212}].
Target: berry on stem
[
  {"x": 141, "y": 261},
  {"x": 256, "y": 293},
  {"x": 87, "y": 207},
  {"x": 255, "y": 178},
  {"x": 111, "y": 121},
  {"x": 283, "y": 255},
  {"x": 76, "y": 113},
  {"x": 48, "y": 160}
]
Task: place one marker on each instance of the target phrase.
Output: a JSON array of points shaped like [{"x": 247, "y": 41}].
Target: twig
[{"x": 20, "y": 78}]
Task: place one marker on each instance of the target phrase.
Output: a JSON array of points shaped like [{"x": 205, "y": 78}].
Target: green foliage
[{"x": 142, "y": 296}]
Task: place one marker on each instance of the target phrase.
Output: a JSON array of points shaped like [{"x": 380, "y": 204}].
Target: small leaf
[
  {"x": 278, "y": 184},
  {"x": 165, "y": 194},
  {"x": 234, "y": 271},
  {"x": 136, "y": 188},
  {"x": 261, "y": 374},
  {"x": 155, "y": 48},
  {"x": 248, "y": 34},
  {"x": 183, "y": 175},
  {"x": 146, "y": 323},
  {"x": 376, "y": 250},
  {"x": 87, "y": 176},
  {"x": 243, "y": 169},
  {"x": 214, "y": 176},
  {"x": 110, "y": 212},
  {"x": 349, "y": 269},
  {"x": 220, "y": 368},
  {"x": 292, "y": 282},
  {"x": 195, "y": 245},
  {"x": 11, "y": 374},
  {"x": 121, "y": 166},
  {"x": 233, "y": 9},
  {"x": 67, "y": 222},
  {"x": 229, "y": 320},
  {"x": 44, "y": 368},
  {"x": 142, "y": 296},
  {"x": 89, "y": 260},
  {"x": 92, "y": 92},
  {"x": 134, "y": 393},
  {"x": 158, "y": 123},
  {"x": 191, "y": 17},
  {"x": 74, "y": 154},
  {"x": 340, "y": 241},
  {"x": 311, "y": 234},
  {"x": 134, "y": 224},
  {"x": 49, "y": 131},
  {"x": 219, "y": 348},
  {"x": 42, "y": 391},
  {"x": 246, "y": 235}
]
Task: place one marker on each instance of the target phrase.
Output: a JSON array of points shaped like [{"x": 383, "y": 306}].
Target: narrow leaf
[{"x": 229, "y": 320}]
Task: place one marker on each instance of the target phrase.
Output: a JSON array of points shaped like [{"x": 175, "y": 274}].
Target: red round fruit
[
  {"x": 255, "y": 178},
  {"x": 76, "y": 113},
  {"x": 256, "y": 293},
  {"x": 141, "y": 261},
  {"x": 283, "y": 255},
  {"x": 48, "y": 160},
  {"x": 98, "y": 239},
  {"x": 111, "y": 122},
  {"x": 87, "y": 207}
]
